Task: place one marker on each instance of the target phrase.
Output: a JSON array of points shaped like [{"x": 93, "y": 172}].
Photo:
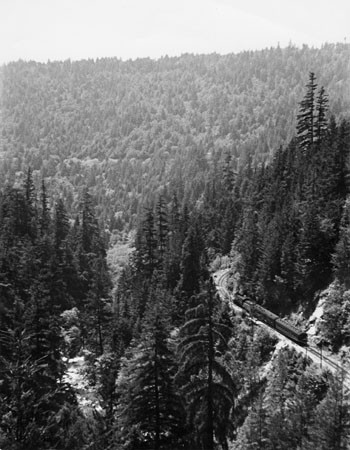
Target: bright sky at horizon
[{"x": 44, "y": 30}]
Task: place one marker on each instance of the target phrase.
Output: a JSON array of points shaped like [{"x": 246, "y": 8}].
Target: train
[{"x": 271, "y": 319}]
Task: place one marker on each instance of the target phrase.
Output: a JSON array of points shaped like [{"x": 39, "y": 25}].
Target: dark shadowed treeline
[{"x": 53, "y": 276}]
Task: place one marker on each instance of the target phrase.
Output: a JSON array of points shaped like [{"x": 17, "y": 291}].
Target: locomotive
[{"x": 271, "y": 319}]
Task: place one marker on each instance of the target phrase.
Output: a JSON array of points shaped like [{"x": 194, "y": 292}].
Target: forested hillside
[
  {"x": 54, "y": 300},
  {"x": 239, "y": 160},
  {"x": 131, "y": 130},
  {"x": 285, "y": 228}
]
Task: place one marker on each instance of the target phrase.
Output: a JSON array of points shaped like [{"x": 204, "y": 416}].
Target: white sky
[{"x": 77, "y": 29}]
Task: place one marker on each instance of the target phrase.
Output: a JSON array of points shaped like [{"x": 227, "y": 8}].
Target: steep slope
[{"x": 129, "y": 130}]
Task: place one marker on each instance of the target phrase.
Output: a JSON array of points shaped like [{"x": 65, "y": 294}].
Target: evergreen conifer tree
[
  {"x": 207, "y": 384},
  {"x": 341, "y": 256},
  {"x": 150, "y": 411},
  {"x": 331, "y": 427},
  {"x": 306, "y": 116},
  {"x": 321, "y": 108}
]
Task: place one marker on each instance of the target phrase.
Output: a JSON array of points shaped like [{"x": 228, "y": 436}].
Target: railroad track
[{"x": 323, "y": 360}]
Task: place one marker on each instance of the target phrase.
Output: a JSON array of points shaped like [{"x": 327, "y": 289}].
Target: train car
[
  {"x": 271, "y": 319},
  {"x": 264, "y": 315},
  {"x": 289, "y": 330}
]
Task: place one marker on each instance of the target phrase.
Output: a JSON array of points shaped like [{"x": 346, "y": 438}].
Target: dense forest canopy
[
  {"x": 240, "y": 160},
  {"x": 131, "y": 130}
]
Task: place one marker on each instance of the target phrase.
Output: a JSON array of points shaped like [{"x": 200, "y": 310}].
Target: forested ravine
[{"x": 171, "y": 365}]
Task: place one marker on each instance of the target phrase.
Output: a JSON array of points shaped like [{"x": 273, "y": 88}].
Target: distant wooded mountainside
[{"x": 132, "y": 130}]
